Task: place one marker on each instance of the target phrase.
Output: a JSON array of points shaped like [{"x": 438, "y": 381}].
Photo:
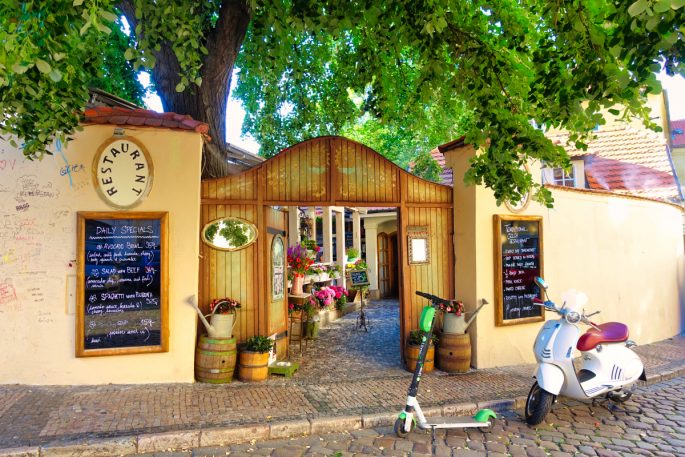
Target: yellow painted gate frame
[{"x": 324, "y": 171}]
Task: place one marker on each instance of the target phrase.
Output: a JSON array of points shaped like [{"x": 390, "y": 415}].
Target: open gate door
[{"x": 275, "y": 284}]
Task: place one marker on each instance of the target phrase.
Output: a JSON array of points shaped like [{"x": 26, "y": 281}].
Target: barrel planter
[
  {"x": 253, "y": 366},
  {"x": 215, "y": 360},
  {"x": 412, "y": 356},
  {"x": 454, "y": 353}
]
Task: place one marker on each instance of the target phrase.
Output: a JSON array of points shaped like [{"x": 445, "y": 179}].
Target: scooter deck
[{"x": 453, "y": 422}]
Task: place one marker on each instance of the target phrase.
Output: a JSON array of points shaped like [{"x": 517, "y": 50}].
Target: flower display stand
[{"x": 296, "y": 329}]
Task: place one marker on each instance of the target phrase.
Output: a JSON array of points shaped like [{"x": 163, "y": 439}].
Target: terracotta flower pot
[{"x": 298, "y": 282}]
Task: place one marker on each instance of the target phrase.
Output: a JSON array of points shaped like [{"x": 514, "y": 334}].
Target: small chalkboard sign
[
  {"x": 122, "y": 293},
  {"x": 518, "y": 260},
  {"x": 359, "y": 278}
]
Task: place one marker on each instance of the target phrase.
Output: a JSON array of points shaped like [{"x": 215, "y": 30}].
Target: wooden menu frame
[
  {"x": 497, "y": 252},
  {"x": 163, "y": 218}
]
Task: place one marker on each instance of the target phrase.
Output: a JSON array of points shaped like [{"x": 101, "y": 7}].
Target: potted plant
[
  {"x": 253, "y": 362},
  {"x": 413, "y": 347},
  {"x": 453, "y": 317},
  {"x": 298, "y": 262},
  {"x": 334, "y": 270},
  {"x": 312, "y": 248},
  {"x": 320, "y": 300},
  {"x": 352, "y": 254},
  {"x": 319, "y": 272},
  {"x": 340, "y": 297}
]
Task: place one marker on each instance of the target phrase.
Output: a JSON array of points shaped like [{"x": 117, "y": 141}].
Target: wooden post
[
  {"x": 311, "y": 212},
  {"x": 340, "y": 240},
  {"x": 371, "y": 231},
  {"x": 356, "y": 231},
  {"x": 327, "y": 235},
  {"x": 293, "y": 225}
]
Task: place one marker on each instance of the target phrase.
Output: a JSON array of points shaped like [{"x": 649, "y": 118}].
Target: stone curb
[{"x": 223, "y": 436}]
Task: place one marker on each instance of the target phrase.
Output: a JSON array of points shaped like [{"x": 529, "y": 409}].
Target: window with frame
[{"x": 562, "y": 177}]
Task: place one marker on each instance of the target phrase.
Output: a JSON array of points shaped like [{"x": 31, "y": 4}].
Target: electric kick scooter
[{"x": 412, "y": 414}]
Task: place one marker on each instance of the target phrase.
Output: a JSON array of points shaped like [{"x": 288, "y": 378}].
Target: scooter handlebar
[{"x": 433, "y": 298}]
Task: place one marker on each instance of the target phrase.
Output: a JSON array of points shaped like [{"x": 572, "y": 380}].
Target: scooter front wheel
[
  {"x": 399, "y": 428},
  {"x": 538, "y": 404}
]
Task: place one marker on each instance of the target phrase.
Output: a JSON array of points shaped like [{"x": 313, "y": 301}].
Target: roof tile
[
  {"x": 142, "y": 117},
  {"x": 626, "y": 160}
]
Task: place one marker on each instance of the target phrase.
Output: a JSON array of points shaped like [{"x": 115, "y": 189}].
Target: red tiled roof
[
  {"x": 143, "y": 118},
  {"x": 626, "y": 160},
  {"x": 446, "y": 177},
  {"x": 678, "y": 133}
]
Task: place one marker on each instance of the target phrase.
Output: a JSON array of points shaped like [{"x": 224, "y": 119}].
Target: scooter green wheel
[{"x": 399, "y": 428}]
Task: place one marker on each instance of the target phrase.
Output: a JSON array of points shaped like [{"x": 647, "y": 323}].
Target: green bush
[
  {"x": 259, "y": 344},
  {"x": 415, "y": 338}
]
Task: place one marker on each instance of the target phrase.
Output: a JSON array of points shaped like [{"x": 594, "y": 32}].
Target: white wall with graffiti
[{"x": 39, "y": 201}]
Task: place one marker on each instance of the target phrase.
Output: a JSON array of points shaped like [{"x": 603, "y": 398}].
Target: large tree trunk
[{"x": 206, "y": 103}]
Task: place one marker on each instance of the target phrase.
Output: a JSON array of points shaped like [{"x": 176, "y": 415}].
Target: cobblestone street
[
  {"x": 651, "y": 424},
  {"x": 348, "y": 380}
]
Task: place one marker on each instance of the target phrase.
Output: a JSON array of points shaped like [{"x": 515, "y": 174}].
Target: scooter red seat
[{"x": 610, "y": 332}]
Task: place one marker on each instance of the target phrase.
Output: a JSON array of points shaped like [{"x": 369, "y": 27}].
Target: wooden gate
[{"x": 325, "y": 171}]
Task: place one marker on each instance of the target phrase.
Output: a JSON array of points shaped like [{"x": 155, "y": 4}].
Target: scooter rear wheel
[{"x": 538, "y": 404}]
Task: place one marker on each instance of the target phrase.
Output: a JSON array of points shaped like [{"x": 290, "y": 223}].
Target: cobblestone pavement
[
  {"x": 651, "y": 424},
  {"x": 344, "y": 373}
]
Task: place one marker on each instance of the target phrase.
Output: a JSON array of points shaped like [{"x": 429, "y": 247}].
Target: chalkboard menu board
[
  {"x": 518, "y": 260},
  {"x": 122, "y": 303},
  {"x": 359, "y": 278}
]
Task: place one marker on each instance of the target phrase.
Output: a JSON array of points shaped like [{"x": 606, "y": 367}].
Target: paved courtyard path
[{"x": 651, "y": 424}]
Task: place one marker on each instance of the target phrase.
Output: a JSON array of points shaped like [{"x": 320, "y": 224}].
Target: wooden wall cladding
[
  {"x": 230, "y": 273},
  {"x": 424, "y": 192},
  {"x": 435, "y": 277},
  {"x": 363, "y": 174},
  {"x": 299, "y": 174}
]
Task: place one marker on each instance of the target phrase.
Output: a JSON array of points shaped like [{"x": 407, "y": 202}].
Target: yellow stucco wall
[
  {"x": 38, "y": 205},
  {"x": 626, "y": 254}
]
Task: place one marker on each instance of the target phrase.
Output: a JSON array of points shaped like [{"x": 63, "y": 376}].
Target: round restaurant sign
[{"x": 122, "y": 171}]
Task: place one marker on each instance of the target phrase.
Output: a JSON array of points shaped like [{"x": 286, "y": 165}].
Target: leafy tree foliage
[
  {"x": 117, "y": 75},
  {"x": 426, "y": 167},
  {"x": 509, "y": 62}
]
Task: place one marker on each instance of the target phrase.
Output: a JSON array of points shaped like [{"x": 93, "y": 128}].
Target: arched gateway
[{"x": 325, "y": 171}]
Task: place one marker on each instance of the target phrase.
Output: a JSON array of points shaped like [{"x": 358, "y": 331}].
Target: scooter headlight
[{"x": 572, "y": 317}]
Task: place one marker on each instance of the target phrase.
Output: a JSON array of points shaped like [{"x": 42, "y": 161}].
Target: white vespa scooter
[{"x": 608, "y": 364}]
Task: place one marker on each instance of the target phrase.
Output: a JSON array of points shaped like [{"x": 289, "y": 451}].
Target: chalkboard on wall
[
  {"x": 122, "y": 293},
  {"x": 518, "y": 260}
]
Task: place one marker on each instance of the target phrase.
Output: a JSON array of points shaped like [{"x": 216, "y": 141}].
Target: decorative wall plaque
[{"x": 122, "y": 171}]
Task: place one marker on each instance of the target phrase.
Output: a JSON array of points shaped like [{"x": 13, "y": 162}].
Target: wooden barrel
[
  {"x": 253, "y": 366},
  {"x": 215, "y": 360},
  {"x": 454, "y": 353},
  {"x": 412, "y": 356}
]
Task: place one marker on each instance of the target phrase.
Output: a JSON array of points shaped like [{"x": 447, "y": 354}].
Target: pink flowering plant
[
  {"x": 456, "y": 307},
  {"x": 320, "y": 300},
  {"x": 296, "y": 307},
  {"x": 224, "y": 306},
  {"x": 317, "y": 269},
  {"x": 340, "y": 296}
]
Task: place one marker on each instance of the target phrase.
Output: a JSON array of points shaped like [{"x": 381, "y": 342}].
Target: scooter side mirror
[{"x": 541, "y": 282}]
